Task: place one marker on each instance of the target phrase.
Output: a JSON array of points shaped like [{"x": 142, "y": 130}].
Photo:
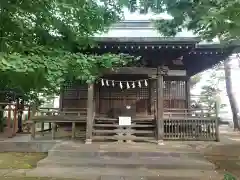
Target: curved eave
[
  {"x": 204, "y": 58},
  {"x": 158, "y": 51}
]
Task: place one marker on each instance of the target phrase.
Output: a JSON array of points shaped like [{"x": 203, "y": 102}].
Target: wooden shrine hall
[{"x": 147, "y": 102}]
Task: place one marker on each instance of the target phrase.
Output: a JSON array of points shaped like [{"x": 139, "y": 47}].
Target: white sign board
[{"x": 124, "y": 121}]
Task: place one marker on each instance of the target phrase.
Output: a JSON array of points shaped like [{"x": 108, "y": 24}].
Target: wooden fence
[{"x": 190, "y": 124}]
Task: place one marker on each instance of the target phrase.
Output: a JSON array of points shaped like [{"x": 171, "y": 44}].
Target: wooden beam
[
  {"x": 54, "y": 127},
  {"x": 160, "y": 125},
  {"x": 33, "y": 130},
  {"x": 42, "y": 128},
  {"x": 132, "y": 70},
  {"x": 187, "y": 93},
  {"x": 144, "y": 71},
  {"x": 152, "y": 96},
  {"x": 97, "y": 100},
  {"x": 90, "y": 107},
  {"x": 61, "y": 98}
]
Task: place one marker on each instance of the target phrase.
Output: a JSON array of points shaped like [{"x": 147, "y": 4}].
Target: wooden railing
[
  {"x": 190, "y": 124},
  {"x": 57, "y": 117},
  {"x": 52, "y": 112}
]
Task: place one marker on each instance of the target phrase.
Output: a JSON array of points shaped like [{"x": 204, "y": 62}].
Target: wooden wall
[
  {"x": 142, "y": 100},
  {"x": 116, "y": 98}
]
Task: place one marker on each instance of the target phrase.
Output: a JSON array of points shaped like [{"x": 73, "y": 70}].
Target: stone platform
[
  {"x": 24, "y": 143},
  {"x": 110, "y": 161}
]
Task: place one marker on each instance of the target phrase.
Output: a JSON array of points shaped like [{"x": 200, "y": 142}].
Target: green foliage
[
  {"x": 41, "y": 41},
  {"x": 144, "y": 5},
  {"x": 64, "y": 24},
  {"x": 208, "y": 19},
  {"x": 45, "y": 70},
  {"x": 229, "y": 176}
]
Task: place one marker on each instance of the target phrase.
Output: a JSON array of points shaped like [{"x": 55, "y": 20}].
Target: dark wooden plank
[
  {"x": 187, "y": 94},
  {"x": 147, "y": 118},
  {"x": 106, "y": 118},
  {"x": 90, "y": 107},
  {"x": 97, "y": 98},
  {"x": 182, "y": 118},
  {"x": 73, "y": 129},
  {"x": 33, "y": 130},
  {"x": 116, "y": 125},
  {"x": 130, "y": 131},
  {"x": 54, "y": 126},
  {"x": 59, "y": 119},
  {"x": 132, "y": 70},
  {"x": 116, "y": 137},
  {"x": 160, "y": 130}
]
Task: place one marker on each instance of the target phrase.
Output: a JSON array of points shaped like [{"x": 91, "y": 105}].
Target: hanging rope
[{"x": 125, "y": 83}]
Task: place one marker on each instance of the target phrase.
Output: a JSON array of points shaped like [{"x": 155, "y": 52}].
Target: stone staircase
[{"x": 116, "y": 161}]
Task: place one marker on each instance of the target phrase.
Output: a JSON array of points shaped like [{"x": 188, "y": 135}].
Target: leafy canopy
[
  {"x": 41, "y": 41},
  {"x": 206, "y": 18}
]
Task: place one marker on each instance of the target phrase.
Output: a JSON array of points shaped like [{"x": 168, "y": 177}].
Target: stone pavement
[{"x": 112, "y": 161}]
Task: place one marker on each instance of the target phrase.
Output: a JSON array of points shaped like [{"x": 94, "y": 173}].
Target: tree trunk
[{"x": 232, "y": 100}]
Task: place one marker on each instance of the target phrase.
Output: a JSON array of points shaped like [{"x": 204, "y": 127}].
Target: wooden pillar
[
  {"x": 42, "y": 128},
  {"x": 97, "y": 109},
  {"x": 152, "y": 96},
  {"x": 90, "y": 107},
  {"x": 29, "y": 112},
  {"x": 61, "y": 98},
  {"x": 160, "y": 123},
  {"x": 9, "y": 117},
  {"x": 187, "y": 93},
  {"x": 33, "y": 130},
  {"x": 54, "y": 127},
  {"x": 14, "y": 129}
]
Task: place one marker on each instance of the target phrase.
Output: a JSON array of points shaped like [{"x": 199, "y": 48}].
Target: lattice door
[
  {"x": 115, "y": 97},
  {"x": 74, "y": 96},
  {"x": 174, "y": 94}
]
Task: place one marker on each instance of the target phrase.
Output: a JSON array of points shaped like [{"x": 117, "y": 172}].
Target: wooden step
[
  {"x": 117, "y": 137},
  {"x": 124, "y": 131},
  {"x": 132, "y": 126}
]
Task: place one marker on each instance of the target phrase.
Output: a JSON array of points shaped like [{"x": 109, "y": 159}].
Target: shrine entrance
[
  {"x": 124, "y": 108},
  {"x": 127, "y": 95}
]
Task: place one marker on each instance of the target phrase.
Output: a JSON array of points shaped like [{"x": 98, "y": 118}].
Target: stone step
[
  {"x": 153, "y": 163},
  {"x": 118, "y": 154},
  {"x": 102, "y": 173}
]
